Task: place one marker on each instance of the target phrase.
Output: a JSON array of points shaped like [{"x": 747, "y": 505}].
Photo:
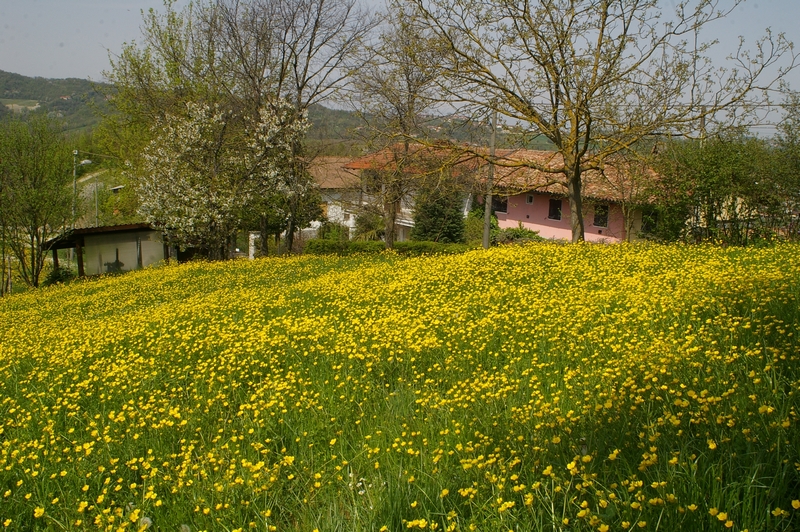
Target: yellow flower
[
  {"x": 38, "y": 512},
  {"x": 796, "y": 504},
  {"x": 712, "y": 444}
]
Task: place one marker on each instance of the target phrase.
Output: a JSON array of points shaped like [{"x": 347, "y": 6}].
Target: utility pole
[
  {"x": 487, "y": 198},
  {"x": 74, "y": 184}
]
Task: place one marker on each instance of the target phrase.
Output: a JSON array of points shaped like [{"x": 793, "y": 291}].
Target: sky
[{"x": 73, "y": 38}]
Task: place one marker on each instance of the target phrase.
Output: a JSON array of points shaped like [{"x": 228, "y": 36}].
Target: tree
[
  {"x": 596, "y": 76},
  {"x": 787, "y": 171},
  {"x": 298, "y": 49},
  {"x": 203, "y": 170},
  {"x": 245, "y": 53},
  {"x": 394, "y": 89},
  {"x": 723, "y": 189},
  {"x": 439, "y": 216},
  {"x": 35, "y": 190}
]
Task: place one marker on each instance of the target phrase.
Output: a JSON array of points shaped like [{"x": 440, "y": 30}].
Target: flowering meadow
[{"x": 539, "y": 387}]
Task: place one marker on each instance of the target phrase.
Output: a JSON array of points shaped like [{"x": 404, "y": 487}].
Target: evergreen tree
[{"x": 439, "y": 217}]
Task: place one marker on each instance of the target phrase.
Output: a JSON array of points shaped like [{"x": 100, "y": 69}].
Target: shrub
[
  {"x": 438, "y": 217},
  {"x": 333, "y": 231},
  {"x": 515, "y": 235},
  {"x": 369, "y": 224},
  {"x": 59, "y": 275}
]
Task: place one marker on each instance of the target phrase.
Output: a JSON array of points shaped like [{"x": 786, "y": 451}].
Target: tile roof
[
  {"x": 332, "y": 173},
  {"x": 514, "y": 172},
  {"x": 621, "y": 181}
]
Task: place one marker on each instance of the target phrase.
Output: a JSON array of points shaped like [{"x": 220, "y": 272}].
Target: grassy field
[{"x": 544, "y": 387}]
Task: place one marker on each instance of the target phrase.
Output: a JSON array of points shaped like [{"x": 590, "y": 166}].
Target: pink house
[{"x": 538, "y": 201}]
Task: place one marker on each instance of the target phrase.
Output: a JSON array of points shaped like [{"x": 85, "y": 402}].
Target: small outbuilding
[{"x": 113, "y": 249}]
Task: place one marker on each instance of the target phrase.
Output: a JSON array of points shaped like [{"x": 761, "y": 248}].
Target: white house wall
[{"x": 100, "y": 251}]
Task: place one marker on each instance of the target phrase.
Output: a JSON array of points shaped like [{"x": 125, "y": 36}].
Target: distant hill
[
  {"x": 332, "y": 132},
  {"x": 73, "y": 100},
  {"x": 77, "y": 102}
]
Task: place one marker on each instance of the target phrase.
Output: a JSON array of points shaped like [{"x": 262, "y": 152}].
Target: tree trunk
[
  {"x": 290, "y": 234},
  {"x": 575, "y": 204},
  {"x": 389, "y": 218},
  {"x": 264, "y": 239}
]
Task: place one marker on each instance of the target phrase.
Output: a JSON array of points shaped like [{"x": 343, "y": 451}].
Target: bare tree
[
  {"x": 597, "y": 76},
  {"x": 394, "y": 89},
  {"x": 241, "y": 55},
  {"x": 300, "y": 50}
]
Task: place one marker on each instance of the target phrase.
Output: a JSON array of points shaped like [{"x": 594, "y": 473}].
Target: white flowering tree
[{"x": 202, "y": 170}]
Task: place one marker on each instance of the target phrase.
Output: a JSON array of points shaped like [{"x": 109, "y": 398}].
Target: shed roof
[{"x": 69, "y": 238}]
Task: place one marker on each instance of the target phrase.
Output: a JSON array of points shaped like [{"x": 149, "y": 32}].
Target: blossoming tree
[{"x": 203, "y": 169}]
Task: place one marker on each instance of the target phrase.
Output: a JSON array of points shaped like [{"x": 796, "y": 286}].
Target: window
[
  {"x": 529, "y": 199},
  {"x": 649, "y": 221},
  {"x": 601, "y": 215},
  {"x": 555, "y": 209},
  {"x": 500, "y": 204}
]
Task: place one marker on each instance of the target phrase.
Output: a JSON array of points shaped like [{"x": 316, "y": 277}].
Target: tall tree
[
  {"x": 301, "y": 50},
  {"x": 597, "y": 76},
  {"x": 725, "y": 188},
  {"x": 394, "y": 89},
  {"x": 36, "y": 190},
  {"x": 202, "y": 171},
  {"x": 439, "y": 214},
  {"x": 787, "y": 185},
  {"x": 246, "y": 53}
]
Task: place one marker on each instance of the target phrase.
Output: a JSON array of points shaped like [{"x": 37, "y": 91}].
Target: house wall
[
  {"x": 341, "y": 208},
  {"x": 100, "y": 251},
  {"x": 535, "y": 217}
]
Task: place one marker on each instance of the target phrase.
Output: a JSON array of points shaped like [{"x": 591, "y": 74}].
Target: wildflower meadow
[{"x": 525, "y": 388}]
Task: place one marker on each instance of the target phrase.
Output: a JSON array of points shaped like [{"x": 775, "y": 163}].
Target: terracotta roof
[
  {"x": 331, "y": 172},
  {"x": 417, "y": 160},
  {"x": 513, "y": 171},
  {"x": 616, "y": 183}
]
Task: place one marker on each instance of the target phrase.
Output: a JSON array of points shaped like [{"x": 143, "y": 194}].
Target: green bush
[
  {"x": 473, "y": 225},
  {"x": 515, "y": 235},
  {"x": 412, "y": 248},
  {"x": 366, "y": 246},
  {"x": 59, "y": 275},
  {"x": 333, "y": 231}
]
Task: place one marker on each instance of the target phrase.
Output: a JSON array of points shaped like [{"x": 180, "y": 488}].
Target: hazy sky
[{"x": 73, "y": 38}]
